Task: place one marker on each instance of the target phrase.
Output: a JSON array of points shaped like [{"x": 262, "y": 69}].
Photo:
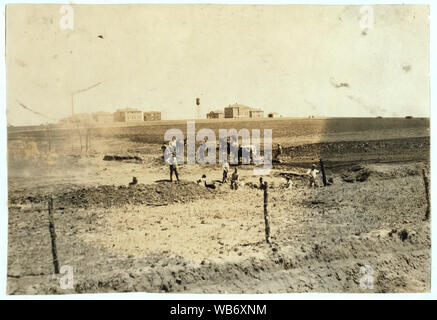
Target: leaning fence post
[
  {"x": 426, "y": 183},
  {"x": 266, "y": 213},
  {"x": 53, "y": 236},
  {"x": 322, "y": 168}
]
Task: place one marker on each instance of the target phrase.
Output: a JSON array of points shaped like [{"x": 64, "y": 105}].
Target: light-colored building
[
  {"x": 256, "y": 113},
  {"x": 217, "y": 114},
  {"x": 103, "y": 117},
  {"x": 152, "y": 116},
  {"x": 241, "y": 111},
  {"x": 237, "y": 111},
  {"x": 128, "y": 115}
]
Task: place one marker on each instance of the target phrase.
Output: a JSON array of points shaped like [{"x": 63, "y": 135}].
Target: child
[
  {"x": 288, "y": 183},
  {"x": 234, "y": 179},
  {"x": 207, "y": 185},
  {"x": 313, "y": 175},
  {"x": 173, "y": 164},
  {"x": 225, "y": 172}
]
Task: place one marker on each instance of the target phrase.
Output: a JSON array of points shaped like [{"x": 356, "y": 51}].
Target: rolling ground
[{"x": 163, "y": 237}]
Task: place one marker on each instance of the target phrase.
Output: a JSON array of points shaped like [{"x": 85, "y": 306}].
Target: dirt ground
[{"x": 159, "y": 236}]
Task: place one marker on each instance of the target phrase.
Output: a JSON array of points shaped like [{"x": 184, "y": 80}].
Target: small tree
[{"x": 84, "y": 125}]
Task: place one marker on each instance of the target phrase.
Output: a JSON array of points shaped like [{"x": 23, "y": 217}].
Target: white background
[{"x": 153, "y": 296}]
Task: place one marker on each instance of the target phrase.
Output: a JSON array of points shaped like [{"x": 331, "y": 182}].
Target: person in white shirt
[
  {"x": 313, "y": 176},
  {"x": 225, "y": 171},
  {"x": 172, "y": 160}
]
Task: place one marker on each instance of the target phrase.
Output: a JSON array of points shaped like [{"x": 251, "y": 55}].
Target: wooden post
[
  {"x": 53, "y": 236},
  {"x": 266, "y": 213},
  {"x": 50, "y": 138},
  {"x": 322, "y": 168},
  {"x": 426, "y": 183}
]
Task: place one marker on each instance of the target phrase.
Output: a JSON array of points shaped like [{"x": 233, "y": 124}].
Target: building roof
[
  {"x": 152, "y": 111},
  {"x": 236, "y": 105}
]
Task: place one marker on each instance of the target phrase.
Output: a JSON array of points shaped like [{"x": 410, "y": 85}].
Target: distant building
[
  {"x": 128, "y": 115},
  {"x": 152, "y": 116},
  {"x": 217, "y": 114},
  {"x": 237, "y": 111},
  {"x": 241, "y": 111},
  {"x": 256, "y": 113},
  {"x": 273, "y": 115},
  {"x": 103, "y": 117}
]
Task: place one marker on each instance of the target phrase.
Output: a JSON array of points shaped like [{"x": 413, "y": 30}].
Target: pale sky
[{"x": 295, "y": 60}]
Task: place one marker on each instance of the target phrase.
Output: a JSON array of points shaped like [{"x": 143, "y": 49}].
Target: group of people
[
  {"x": 235, "y": 178},
  {"x": 169, "y": 155}
]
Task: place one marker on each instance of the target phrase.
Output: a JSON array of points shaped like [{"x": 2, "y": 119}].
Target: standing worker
[
  {"x": 225, "y": 171},
  {"x": 278, "y": 152},
  {"x": 234, "y": 179},
  {"x": 173, "y": 162},
  {"x": 163, "y": 149},
  {"x": 171, "y": 159},
  {"x": 313, "y": 175}
]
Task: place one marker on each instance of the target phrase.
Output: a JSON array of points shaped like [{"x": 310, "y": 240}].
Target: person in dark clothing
[
  {"x": 261, "y": 182},
  {"x": 278, "y": 152},
  {"x": 235, "y": 179},
  {"x": 163, "y": 149},
  {"x": 173, "y": 167},
  {"x": 207, "y": 185},
  {"x": 225, "y": 172}
]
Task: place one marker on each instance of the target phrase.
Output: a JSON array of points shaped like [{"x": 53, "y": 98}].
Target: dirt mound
[
  {"x": 356, "y": 173},
  {"x": 106, "y": 196}
]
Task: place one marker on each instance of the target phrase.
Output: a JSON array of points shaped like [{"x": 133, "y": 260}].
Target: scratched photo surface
[{"x": 218, "y": 148}]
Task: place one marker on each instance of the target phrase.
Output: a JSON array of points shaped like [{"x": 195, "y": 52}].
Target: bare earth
[{"x": 163, "y": 237}]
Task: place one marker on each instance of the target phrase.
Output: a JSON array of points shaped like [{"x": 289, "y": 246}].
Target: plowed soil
[{"x": 356, "y": 235}]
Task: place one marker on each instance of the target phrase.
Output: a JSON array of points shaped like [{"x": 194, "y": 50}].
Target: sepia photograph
[{"x": 217, "y": 149}]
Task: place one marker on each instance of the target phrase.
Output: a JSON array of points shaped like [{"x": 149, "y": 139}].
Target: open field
[
  {"x": 163, "y": 237},
  {"x": 285, "y": 130}
]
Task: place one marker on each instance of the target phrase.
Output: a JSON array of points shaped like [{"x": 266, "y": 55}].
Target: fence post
[
  {"x": 49, "y": 138},
  {"x": 426, "y": 183},
  {"x": 266, "y": 213},
  {"x": 322, "y": 168},
  {"x": 53, "y": 236}
]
